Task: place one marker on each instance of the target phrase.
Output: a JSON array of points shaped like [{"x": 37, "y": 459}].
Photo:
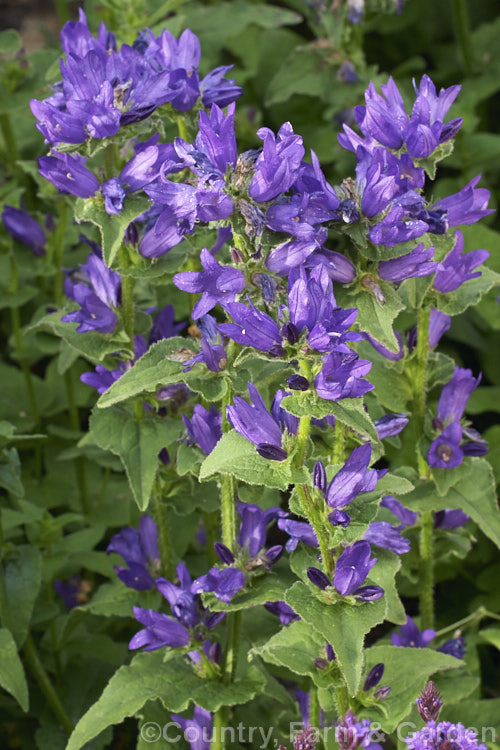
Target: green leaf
[
  {"x": 236, "y": 456},
  {"x": 482, "y": 714},
  {"x": 163, "y": 364},
  {"x": 22, "y": 579},
  {"x": 295, "y": 647},
  {"x": 12, "y": 677},
  {"x": 93, "y": 346},
  {"x": 10, "y": 42},
  {"x": 137, "y": 443},
  {"x": 454, "y": 303},
  {"x": 111, "y": 227},
  {"x": 341, "y": 624},
  {"x": 473, "y": 491},
  {"x": 174, "y": 682},
  {"x": 303, "y": 72},
  {"x": 117, "y": 600},
  {"x": 349, "y": 411},
  {"x": 265, "y": 588},
  {"x": 407, "y": 671},
  {"x": 491, "y": 635},
  {"x": 10, "y": 472},
  {"x": 375, "y": 316}
]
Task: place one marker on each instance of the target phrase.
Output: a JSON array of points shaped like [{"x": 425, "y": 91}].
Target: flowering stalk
[
  {"x": 462, "y": 30},
  {"x": 127, "y": 298},
  {"x": 75, "y": 425},
  {"x": 164, "y": 536},
  {"x": 314, "y": 707},
  {"x": 338, "y": 443},
  {"x": 38, "y": 671},
  {"x": 228, "y": 510},
  {"x": 426, "y": 570},
  {"x": 11, "y": 149}
]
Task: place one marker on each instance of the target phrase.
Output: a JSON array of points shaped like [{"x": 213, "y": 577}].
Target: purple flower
[
  {"x": 394, "y": 356},
  {"x": 252, "y": 328},
  {"x": 24, "y": 228},
  {"x": 160, "y": 630},
  {"x": 433, "y": 736},
  {"x": 215, "y": 147},
  {"x": 298, "y": 531},
  {"x": 414, "y": 264},
  {"x": 216, "y": 283},
  {"x": 212, "y": 355},
  {"x": 69, "y": 174},
  {"x": 114, "y": 195},
  {"x": 204, "y": 428},
  {"x": 224, "y": 583},
  {"x": 382, "y": 534},
  {"x": 215, "y": 89},
  {"x": 73, "y": 591},
  {"x": 390, "y": 425},
  {"x": 457, "y": 267},
  {"x": 454, "y": 647},
  {"x": 445, "y": 451},
  {"x": 285, "y": 420},
  {"x": 283, "y": 611},
  {"x": 176, "y": 219},
  {"x": 467, "y": 206},
  {"x": 384, "y": 117},
  {"x": 139, "y": 549},
  {"x": 256, "y": 424},
  {"x": 374, "y": 676},
  {"x": 253, "y": 528},
  {"x": 277, "y": 166},
  {"x": 455, "y": 394},
  {"x": 183, "y": 603},
  {"x": 341, "y": 376},
  {"x": 450, "y": 518},
  {"x": 352, "y": 568},
  {"x": 396, "y": 227},
  {"x": 352, "y": 479},
  {"x": 410, "y": 636},
  {"x": 351, "y": 733},
  {"x": 439, "y": 323},
  {"x": 406, "y": 516},
  {"x": 429, "y": 702},
  {"x": 98, "y": 302},
  {"x": 199, "y": 728},
  {"x": 337, "y": 266},
  {"x": 164, "y": 325}
]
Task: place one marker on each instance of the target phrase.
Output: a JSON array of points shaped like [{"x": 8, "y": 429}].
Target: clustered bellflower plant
[{"x": 260, "y": 343}]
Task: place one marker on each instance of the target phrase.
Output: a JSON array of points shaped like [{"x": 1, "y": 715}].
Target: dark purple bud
[
  {"x": 374, "y": 676},
  {"x": 339, "y": 518},
  {"x": 454, "y": 647},
  {"x": 132, "y": 234},
  {"x": 267, "y": 286},
  {"x": 318, "y": 578},
  {"x": 215, "y": 653},
  {"x": 164, "y": 457},
  {"x": 306, "y": 740},
  {"x": 429, "y": 703},
  {"x": 237, "y": 256},
  {"x": 214, "y": 619},
  {"x": 224, "y": 553},
  {"x": 368, "y": 593},
  {"x": 330, "y": 653},
  {"x": 272, "y": 452},
  {"x": 298, "y": 383},
  {"x": 291, "y": 333},
  {"x": 273, "y": 554},
  {"x": 321, "y": 663},
  {"x": 319, "y": 477},
  {"x": 348, "y": 211},
  {"x": 382, "y": 692}
]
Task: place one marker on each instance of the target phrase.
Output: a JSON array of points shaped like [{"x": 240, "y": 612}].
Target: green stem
[
  {"x": 338, "y": 443},
  {"x": 480, "y": 614},
  {"x": 128, "y": 307},
  {"x": 314, "y": 707},
  {"x": 11, "y": 149},
  {"x": 211, "y": 526},
  {"x": 62, "y": 9},
  {"x": 59, "y": 252},
  {"x": 313, "y": 513},
  {"x": 228, "y": 507},
  {"x": 164, "y": 536},
  {"x": 420, "y": 385},
  {"x": 109, "y": 160},
  {"x": 463, "y": 34},
  {"x": 182, "y": 128},
  {"x": 79, "y": 460},
  {"x": 233, "y": 644},
  {"x": 426, "y": 571},
  {"x": 38, "y": 671},
  {"x": 219, "y": 721}
]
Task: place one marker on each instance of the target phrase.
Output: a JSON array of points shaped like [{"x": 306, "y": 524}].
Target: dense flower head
[
  {"x": 351, "y": 733},
  {"x": 204, "y": 428},
  {"x": 103, "y": 88},
  {"x": 352, "y": 479},
  {"x": 69, "y": 174},
  {"x": 443, "y": 736},
  {"x": 218, "y": 284},
  {"x": 277, "y": 166},
  {"x": 342, "y": 376},
  {"x": 252, "y": 327}
]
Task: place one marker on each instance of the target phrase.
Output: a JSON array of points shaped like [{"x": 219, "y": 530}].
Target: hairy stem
[
  {"x": 211, "y": 526},
  {"x": 58, "y": 253},
  {"x": 164, "y": 536},
  {"x": 314, "y": 708},
  {"x": 426, "y": 570},
  {"x": 11, "y": 149},
  {"x": 463, "y": 34},
  {"x": 38, "y": 671},
  {"x": 314, "y": 515},
  {"x": 79, "y": 460},
  {"x": 338, "y": 443},
  {"x": 420, "y": 385},
  {"x": 342, "y": 701}
]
